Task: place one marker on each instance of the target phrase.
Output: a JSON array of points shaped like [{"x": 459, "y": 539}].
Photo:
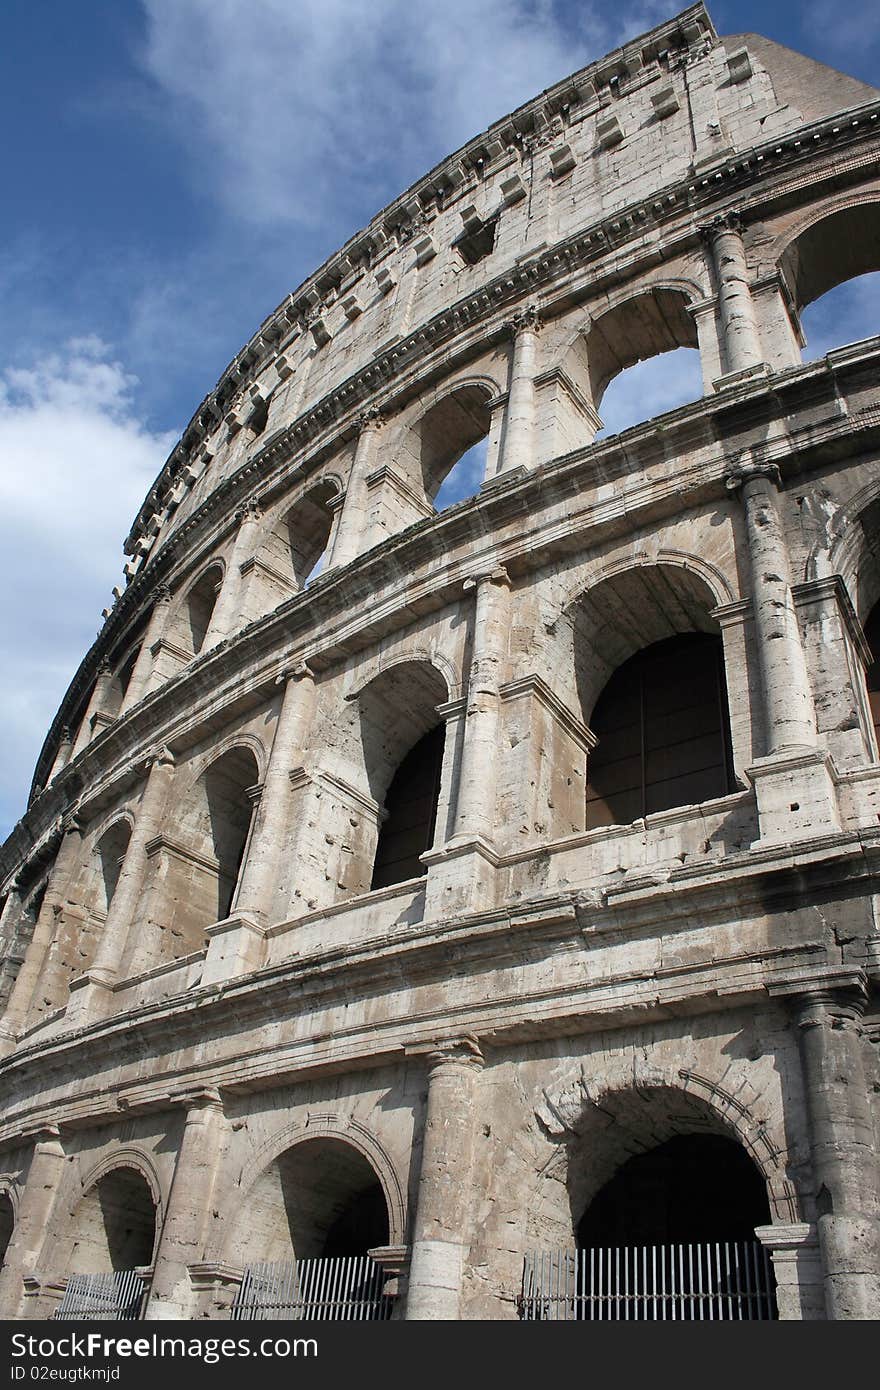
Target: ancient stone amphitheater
[{"x": 470, "y": 913}]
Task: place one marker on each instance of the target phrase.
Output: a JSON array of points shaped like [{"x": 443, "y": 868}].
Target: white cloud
[
  {"x": 76, "y": 463},
  {"x": 299, "y": 110}
]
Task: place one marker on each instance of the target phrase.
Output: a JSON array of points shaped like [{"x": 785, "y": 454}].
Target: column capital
[
  {"x": 161, "y": 594},
  {"x": 738, "y": 474},
  {"x": 498, "y": 576},
  {"x": 294, "y": 674},
  {"x": 461, "y": 1052},
  {"x": 369, "y": 419},
  {"x": 204, "y": 1098},
  {"x": 730, "y": 221},
  {"x": 527, "y": 319},
  {"x": 249, "y": 511},
  {"x": 159, "y": 757}
]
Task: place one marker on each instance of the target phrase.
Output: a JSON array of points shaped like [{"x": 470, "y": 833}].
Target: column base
[
  {"x": 745, "y": 374},
  {"x": 796, "y": 792},
  {"x": 235, "y": 947},
  {"x": 91, "y": 999},
  {"x": 461, "y": 877},
  {"x": 797, "y": 1265}
]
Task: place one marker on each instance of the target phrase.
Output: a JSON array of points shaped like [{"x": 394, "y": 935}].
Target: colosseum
[{"x": 470, "y": 911}]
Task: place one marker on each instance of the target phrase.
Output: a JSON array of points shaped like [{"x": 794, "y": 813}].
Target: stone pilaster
[
  {"x": 829, "y": 1027},
  {"x": 63, "y": 756},
  {"x": 97, "y": 705},
  {"x": 90, "y": 996},
  {"x": 453, "y": 884},
  {"x": 739, "y": 324},
  {"x": 518, "y": 439},
  {"x": 441, "y": 1230},
  {"x": 188, "y": 1214},
  {"x": 228, "y": 605},
  {"x": 235, "y": 944},
  {"x": 34, "y": 1211},
  {"x": 794, "y": 781},
  {"x": 143, "y": 666},
  {"x": 352, "y": 531},
  {"x": 64, "y": 870}
]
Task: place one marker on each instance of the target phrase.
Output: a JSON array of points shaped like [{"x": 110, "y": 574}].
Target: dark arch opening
[
  {"x": 663, "y": 732},
  {"x": 308, "y": 525},
  {"x": 692, "y": 1188},
  {"x": 200, "y": 606},
  {"x": 410, "y": 812},
  {"x": 7, "y": 1224},
  {"x": 872, "y": 674},
  {"x": 446, "y": 435},
  {"x": 111, "y": 851},
  {"x": 230, "y": 809},
  {"x": 114, "y": 1225}
]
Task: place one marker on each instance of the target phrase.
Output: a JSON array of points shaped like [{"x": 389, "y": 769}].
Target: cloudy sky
[{"x": 172, "y": 169}]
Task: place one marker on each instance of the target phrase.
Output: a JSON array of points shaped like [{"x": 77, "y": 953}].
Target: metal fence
[
  {"x": 331, "y": 1290},
  {"x": 113, "y": 1297},
  {"x": 725, "y": 1281}
]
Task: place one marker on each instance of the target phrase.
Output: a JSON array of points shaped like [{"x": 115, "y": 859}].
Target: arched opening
[
  {"x": 7, "y": 1224},
  {"x": 226, "y": 811},
  {"x": 691, "y": 1188},
  {"x": 872, "y": 674},
  {"x": 649, "y": 675},
  {"x": 199, "y": 607},
  {"x": 294, "y": 550},
  {"x": 663, "y": 732},
  {"x": 410, "y": 812},
  {"x": 194, "y": 872},
  {"x": 111, "y": 852},
  {"x": 846, "y": 314},
  {"x": 663, "y": 1205},
  {"x": 651, "y": 388},
  {"x": 113, "y": 1226},
  {"x": 831, "y": 272},
  {"x": 450, "y": 433},
  {"x": 319, "y": 1199},
  {"x": 655, "y": 324},
  {"x": 310, "y": 1221}
]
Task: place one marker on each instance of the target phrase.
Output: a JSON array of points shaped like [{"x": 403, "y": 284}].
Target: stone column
[
  {"x": 788, "y": 701},
  {"x": 143, "y": 666},
  {"x": 34, "y": 1211},
  {"x": 235, "y": 944},
  {"x": 97, "y": 705},
  {"x": 461, "y": 872},
  {"x": 188, "y": 1213},
  {"x": 475, "y": 807},
  {"x": 842, "y": 1149},
  {"x": 67, "y": 862},
  {"x": 441, "y": 1230},
  {"x": 226, "y": 609},
  {"x": 91, "y": 995},
  {"x": 742, "y": 342},
  {"x": 63, "y": 756},
  {"x": 795, "y": 781},
  {"x": 352, "y": 531},
  {"x": 518, "y": 440}
]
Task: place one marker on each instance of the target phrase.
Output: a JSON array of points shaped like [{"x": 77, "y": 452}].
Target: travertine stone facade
[{"x": 248, "y": 1017}]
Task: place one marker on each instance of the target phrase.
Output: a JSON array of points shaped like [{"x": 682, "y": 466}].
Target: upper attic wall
[
  {"x": 811, "y": 89},
  {"x": 649, "y": 118}
]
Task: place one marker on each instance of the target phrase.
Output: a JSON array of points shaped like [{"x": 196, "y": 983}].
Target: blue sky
[{"x": 172, "y": 169}]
